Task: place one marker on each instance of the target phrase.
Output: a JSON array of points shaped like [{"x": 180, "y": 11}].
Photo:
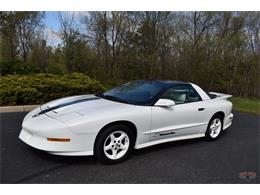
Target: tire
[
  {"x": 214, "y": 128},
  {"x": 114, "y": 144}
]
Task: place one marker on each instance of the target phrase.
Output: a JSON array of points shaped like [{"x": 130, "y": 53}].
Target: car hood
[{"x": 69, "y": 108}]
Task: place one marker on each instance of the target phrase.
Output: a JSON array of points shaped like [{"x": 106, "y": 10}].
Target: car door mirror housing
[{"x": 165, "y": 103}]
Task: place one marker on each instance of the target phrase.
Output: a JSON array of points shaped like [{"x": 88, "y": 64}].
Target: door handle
[{"x": 201, "y": 109}]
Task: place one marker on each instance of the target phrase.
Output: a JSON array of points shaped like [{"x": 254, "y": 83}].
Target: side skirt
[{"x": 169, "y": 140}]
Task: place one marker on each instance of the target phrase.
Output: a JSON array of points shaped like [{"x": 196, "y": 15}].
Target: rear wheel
[
  {"x": 114, "y": 144},
  {"x": 214, "y": 128}
]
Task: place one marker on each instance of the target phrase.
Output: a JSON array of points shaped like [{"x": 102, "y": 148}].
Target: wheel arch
[
  {"x": 121, "y": 122},
  {"x": 220, "y": 113}
]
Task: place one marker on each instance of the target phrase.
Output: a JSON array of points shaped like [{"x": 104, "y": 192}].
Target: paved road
[{"x": 189, "y": 161}]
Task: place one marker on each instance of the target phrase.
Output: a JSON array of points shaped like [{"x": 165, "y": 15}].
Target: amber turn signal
[{"x": 58, "y": 139}]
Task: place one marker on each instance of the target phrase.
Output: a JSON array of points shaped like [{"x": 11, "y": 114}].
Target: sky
[
  {"x": 52, "y": 26},
  {"x": 51, "y": 20}
]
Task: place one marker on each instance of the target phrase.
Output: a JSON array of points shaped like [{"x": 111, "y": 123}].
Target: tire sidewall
[
  {"x": 99, "y": 143},
  {"x": 208, "y": 136}
]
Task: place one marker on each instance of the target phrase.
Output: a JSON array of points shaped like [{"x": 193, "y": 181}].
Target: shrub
[
  {"x": 40, "y": 88},
  {"x": 17, "y": 67}
]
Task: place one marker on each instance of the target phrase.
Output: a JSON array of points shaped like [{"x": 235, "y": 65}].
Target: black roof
[
  {"x": 167, "y": 82},
  {"x": 173, "y": 82}
]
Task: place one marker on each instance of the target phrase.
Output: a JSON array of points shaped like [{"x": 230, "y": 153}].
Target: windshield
[{"x": 135, "y": 92}]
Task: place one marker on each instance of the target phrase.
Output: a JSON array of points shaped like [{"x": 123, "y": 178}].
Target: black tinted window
[
  {"x": 135, "y": 92},
  {"x": 182, "y": 94}
]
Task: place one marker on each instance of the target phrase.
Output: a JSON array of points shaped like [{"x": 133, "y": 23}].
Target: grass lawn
[{"x": 246, "y": 105}]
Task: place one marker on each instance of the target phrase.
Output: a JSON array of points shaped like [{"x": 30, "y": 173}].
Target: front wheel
[
  {"x": 214, "y": 128},
  {"x": 114, "y": 144}
]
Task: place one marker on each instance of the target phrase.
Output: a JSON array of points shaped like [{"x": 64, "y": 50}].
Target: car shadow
[
  {"x": 90, "y": 160},
  {"x": 176, "y": 144},
  {"x": 66, "y": 160},
  {"x": 87, "y": 160}
]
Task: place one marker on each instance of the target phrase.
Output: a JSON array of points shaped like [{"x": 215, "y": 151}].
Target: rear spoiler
[{"x": 219, "y": 95}]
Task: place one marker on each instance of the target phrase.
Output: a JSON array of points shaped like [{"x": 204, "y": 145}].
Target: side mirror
[{"x": 165, "y": 103}]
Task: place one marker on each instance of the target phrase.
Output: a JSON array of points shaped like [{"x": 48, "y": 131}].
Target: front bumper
[
  {"x": 36, "y": 130},
  {"x": 77, "y": 146}
]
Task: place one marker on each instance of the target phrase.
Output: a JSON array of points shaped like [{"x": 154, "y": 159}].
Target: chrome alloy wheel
[
  {"x": 116, "y": 145},
  {"x": 215, "y": 128}
]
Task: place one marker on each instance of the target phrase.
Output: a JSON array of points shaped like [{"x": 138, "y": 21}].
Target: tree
[
  {"x": 18, "y": 30},
  {"x": 71, "y": 38},
  {"x": 217, "y": 50},
  {"x": 40, "y": 54},
  {"x": 9, "y": 39}
]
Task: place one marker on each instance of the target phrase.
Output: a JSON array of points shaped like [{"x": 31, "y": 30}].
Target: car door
[{"x": 186, "y": 117}]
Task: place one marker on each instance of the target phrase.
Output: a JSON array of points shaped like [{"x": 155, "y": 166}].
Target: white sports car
[{"x": 137, "y": 114}]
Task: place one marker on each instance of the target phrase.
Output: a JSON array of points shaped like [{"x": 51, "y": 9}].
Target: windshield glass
[{"x": 135, "y": 92}]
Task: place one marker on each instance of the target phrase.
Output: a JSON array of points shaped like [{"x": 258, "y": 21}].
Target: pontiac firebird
[{"x": 137, "y": 114}]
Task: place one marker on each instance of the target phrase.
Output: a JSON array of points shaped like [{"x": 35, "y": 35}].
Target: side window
[
  {"x": 179, "y": 95},
  {"x": 193, "y": 95},
  {"x": 182, "y": 94}
]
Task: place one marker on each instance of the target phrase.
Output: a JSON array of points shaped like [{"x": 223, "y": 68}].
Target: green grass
[{"x": 246, "y": 105}]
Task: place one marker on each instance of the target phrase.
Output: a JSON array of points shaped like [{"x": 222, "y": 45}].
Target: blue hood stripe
[{"x": 65, "y": 104}]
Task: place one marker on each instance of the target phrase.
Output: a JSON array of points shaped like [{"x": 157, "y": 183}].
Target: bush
[
  {"x": 17, "y": 67},
  {"x": 40, "y": 88}
]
